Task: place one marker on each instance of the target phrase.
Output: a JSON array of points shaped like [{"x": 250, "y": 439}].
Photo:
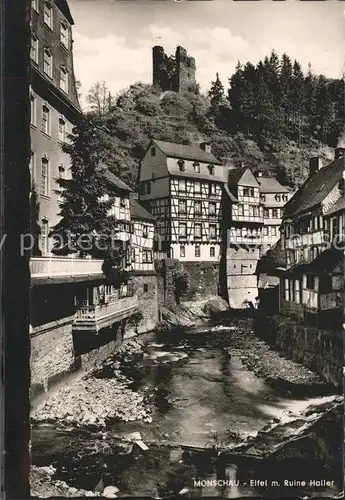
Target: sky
[{"x": 113, "y": 39}]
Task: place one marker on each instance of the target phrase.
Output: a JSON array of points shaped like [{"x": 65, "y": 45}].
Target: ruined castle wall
[{"x": 175, "y": 73}]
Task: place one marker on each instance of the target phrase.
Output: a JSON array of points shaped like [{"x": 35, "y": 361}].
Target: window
[
  {"x": 197, "y": 230},
  {"x": 134, "y": 255},
  {"x": 211, "y": 169},
  {"x": 145, "y": 231},
  {"x": 48, "y": 63},
  {"x": 48, "y": 15},
  {"x": 44, "y": 176},
  {"x": 62, "y": 172},
  {"x": 32, "y": 166},
  {"x": 145, "y": 187},
  {"x": 153, "y": 151},
  {"x": 263, "y": 197},
  {"x": 197, "y": 208},
  {"x": 212, "y": 252},
  {"x": 64, "y": 79},
  {"x": 277, "y": 197},
  {"x": 146, "y": 287},
  {"x": 197, "y": 187},
  {"x": 181, "y": 165},
  {"x": 213, "y": 231},
  {"x": 33, "y": 117},
  {"x": 266, "y": 213},
  {"x": 251, "y": 191},
  {"x": 64, "y": 39},
  {"x": 212, "y": 189},
  {"x": 182, "y": 229},
  {"x": 275, "y": 213},
  {"x": 255, "y": 211},
  {"x": 34, "y": 49},
  {"x": 274, "y": 231},
  {"x": 286, "y": 289},
  {"x": 182, "y": 206},
  {"x": 196, "y": 166},
  {"x": 34, "y": 5},
  {"x": 182, "y": 251},
  {"x": 310, "y": 282},
  {"x": 45, "y": 119},
  {"x": 240, "y": 209},
  {"x": 245, "y": 192},
  {"x": 44, "y": 236},
  {"x": 147, "y": 256},
  {"x": 265, "y": 231},
  {"x": 62, "y": 130},
  {"x": 212, "y": 208},
  {"x": 197, "y": 251},
  {"x": 285, "y": 198},
  {"x": 123, "y": 202},
  {"x": 182, "y": 185}
]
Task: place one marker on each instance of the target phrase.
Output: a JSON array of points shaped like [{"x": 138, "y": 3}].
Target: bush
[{"x": 181, "y": 280}]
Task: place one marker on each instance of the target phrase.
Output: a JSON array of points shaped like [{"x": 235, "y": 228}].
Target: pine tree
[
  {"x": 324, "y": 109},
  {"x": 297, "y": 98},
  {"x": 310, "y": 85},
  {"x": 285, "y": 78},
  {"x": 216, "y": 93},
  {"x": 85, "y": 227}
]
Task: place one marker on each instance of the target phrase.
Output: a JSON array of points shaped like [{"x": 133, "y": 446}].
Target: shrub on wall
[{"x": 181, "y": 280}]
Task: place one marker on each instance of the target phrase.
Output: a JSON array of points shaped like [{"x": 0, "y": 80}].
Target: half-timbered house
[
  {"x": 181, "y": 185},
  {"x": 142, "y": 237},
  {"x": 313, "y": 240},
  {"x": 243, "y": 221}
]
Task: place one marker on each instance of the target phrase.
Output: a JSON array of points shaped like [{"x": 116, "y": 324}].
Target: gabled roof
[
  {"x": 115, "y": 181},
  {"x": 199, "y": 177},
  {"x": 186, "y": 152},
  {"x": 315, "y": 189},
  {"x": 139, "y": 212},
  {"x": 235, "y": 175},
  {"x": 271, "y": 185},
  {"x": 233, "y": 198},
  {"x": 272, "y": 261}
]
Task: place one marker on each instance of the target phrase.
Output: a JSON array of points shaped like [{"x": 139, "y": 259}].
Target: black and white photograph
[{"x": 182, "y": 166}]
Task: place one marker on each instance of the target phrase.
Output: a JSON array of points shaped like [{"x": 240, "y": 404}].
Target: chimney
[
  {"x": 315, "y": 163},
  {"x": 206, "y": 147},
  {"x": 339, "y": 153}
]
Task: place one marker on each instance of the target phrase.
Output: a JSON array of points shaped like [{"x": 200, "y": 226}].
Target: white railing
[
  {"x": 64, "y": 266},
  {"x": 246, "y": 240},
  {"x": 110, "y": 309}
]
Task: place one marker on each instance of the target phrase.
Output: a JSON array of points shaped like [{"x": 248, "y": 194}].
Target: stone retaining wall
[{"x": 319, "y": 350}]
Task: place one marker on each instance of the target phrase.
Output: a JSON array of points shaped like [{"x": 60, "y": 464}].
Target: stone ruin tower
[{"x": 173, "y": 73}]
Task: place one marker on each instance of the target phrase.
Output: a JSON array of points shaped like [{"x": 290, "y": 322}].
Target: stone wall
[
  {"x": 319, "y": 350},
  {"x": 146, "y": 288},
  {"x": 204, "y": 279},
  {"x": 174, "y": 73},
  {"x": 52, "y": 354}
]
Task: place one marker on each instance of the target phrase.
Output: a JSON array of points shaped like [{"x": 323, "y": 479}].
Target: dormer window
[
  {"x": 211, "y": 169},
  {"x": 181, "y": 165},
  {"x": 196, "y": 166},
  {"x": 263, "y": 197},
  {"x": 48, "y": 15},
  {"x": 153, "y": 151},
  {"x": 34, "y": 5}
]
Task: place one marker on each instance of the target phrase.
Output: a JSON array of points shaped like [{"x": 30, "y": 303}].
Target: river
[{"x": 201, "y": 397}]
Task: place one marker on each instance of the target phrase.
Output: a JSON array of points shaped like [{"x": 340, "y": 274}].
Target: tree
[
  {"x": 86, "y": 228},
  {"x": 216, "y": 93},
  {"x": 100, "y": 99}
]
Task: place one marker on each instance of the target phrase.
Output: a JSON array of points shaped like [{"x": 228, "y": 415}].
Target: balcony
[
  {"x": 64, "y": 269},
  {"x": 93, "y": 318},
  {"x": 246, "y": 240}
]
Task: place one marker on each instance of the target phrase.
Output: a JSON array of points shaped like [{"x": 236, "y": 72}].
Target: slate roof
[
  {"x": 235, "y": 174},
  {"x": 271, "y": 185},
  {"x": 315, "y": 189},
  {"x": 139, "y": 212},
  {"x": 186, "y": 152},
  {"x": 272, "y": 261},
  {"x": 200, "y": 177},
  {"x": 64, "y": 8},
  {"x": 229, "y": 193},
  {"x": 115, "y": 181}
]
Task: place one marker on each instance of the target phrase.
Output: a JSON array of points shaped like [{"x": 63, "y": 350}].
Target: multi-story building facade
[
  {"x": 182, "y": 187},
  {"x": 273, "y": 197},
  {"x": 54, "y": 107},
  {"x": 312, "y": 238},
  {"x": 142, "y": 241},
  {"x": 243, "y": 222}
]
